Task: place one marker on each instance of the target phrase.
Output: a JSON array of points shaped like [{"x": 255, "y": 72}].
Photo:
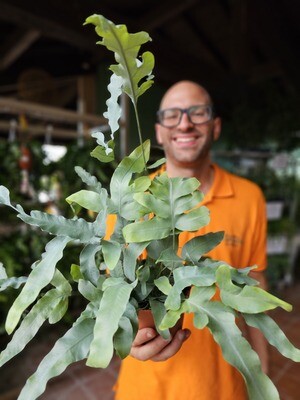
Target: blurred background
[{"x": 53, "y": 80}]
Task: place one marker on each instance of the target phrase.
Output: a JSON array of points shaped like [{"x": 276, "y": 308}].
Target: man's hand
[{"x": 149, "y": 345}]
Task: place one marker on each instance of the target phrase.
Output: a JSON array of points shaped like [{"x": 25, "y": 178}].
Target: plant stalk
[{"x": 140, "y": 133}]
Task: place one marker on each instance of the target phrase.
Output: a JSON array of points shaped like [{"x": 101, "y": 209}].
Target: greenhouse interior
[{"x": 53, "y": 98}]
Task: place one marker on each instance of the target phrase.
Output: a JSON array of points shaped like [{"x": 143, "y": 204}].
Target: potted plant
[{"x": 140, "y": 267}]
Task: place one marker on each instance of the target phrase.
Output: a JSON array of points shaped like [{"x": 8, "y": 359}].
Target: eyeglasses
[{"x": 171, "y": 117}]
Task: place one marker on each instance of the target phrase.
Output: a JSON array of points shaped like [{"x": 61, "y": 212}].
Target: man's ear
[
  {"x": 217, "y": 128},
  {"x": 158, "y": 134}
]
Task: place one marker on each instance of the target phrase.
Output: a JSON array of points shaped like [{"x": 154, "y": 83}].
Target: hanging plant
[{"x": 148, "y": 215}]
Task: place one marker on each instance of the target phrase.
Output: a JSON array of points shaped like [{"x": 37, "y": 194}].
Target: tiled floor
[{"x": 80, "y": 382}]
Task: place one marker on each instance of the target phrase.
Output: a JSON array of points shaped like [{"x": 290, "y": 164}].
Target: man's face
[{"x": 187, "y": 143}]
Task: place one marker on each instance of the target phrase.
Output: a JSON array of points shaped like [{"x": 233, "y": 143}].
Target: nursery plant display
[{"x": 140, "y": 266}]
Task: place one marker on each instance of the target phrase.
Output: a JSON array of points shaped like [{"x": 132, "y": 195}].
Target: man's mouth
[{"x": 187, "y": 140}]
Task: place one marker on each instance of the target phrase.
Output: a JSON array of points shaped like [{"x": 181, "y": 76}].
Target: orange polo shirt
[{"x": 198, "y": 371}]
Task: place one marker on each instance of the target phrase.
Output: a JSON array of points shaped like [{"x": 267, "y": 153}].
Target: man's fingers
[
  {"x": 143, "y": 336},
  {"x": 173, "y": 347},
  {"x": 156, "y": 349}
]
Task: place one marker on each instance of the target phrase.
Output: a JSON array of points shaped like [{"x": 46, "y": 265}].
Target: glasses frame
[{"x": 187, "y": 112}]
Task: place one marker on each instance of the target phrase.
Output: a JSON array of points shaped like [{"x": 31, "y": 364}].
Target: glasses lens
[
  {"x": 169, "y": 117},
  {"x": 200, "y": 114}
]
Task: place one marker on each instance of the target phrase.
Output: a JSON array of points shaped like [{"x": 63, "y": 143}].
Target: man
[{"x": 191, "y": 365}]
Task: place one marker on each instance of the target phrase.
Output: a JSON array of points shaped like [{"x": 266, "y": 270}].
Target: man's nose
[{"x": 185, "y": 123}]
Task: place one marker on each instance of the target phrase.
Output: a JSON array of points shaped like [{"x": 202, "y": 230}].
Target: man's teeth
[{"x": 185, "y": 140}]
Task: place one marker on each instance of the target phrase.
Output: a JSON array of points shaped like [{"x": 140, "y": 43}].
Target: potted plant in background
[{"x": 148, "y": 216}]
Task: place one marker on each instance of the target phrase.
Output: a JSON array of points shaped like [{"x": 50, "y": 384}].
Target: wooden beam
[
  {"x": 48, "y": 113},
  {"x": 37, "y": 130},
  {"x": 16, "y": 45}
]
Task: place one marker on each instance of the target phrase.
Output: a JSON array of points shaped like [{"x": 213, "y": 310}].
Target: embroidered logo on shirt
[{"x": 232, "y": 240}]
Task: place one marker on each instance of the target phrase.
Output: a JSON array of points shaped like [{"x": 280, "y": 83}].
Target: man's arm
[{"x": 256, "y": 338}]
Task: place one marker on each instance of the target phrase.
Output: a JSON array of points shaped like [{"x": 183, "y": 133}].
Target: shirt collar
[{"x": 221, "y": 187}]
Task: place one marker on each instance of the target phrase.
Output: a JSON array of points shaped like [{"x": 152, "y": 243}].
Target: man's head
[{"x": 190, "y": 140}]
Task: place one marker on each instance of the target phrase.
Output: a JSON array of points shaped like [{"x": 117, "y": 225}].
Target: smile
[{"x": 189, "y": 139}]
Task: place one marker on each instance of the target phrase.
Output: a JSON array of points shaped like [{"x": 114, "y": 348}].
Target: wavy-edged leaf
[
  {"x": 158, "y": 310},
  {"x": 185, "y": 277},
  {"x": 12, "y": 282},
  {"x": 143, "y": 231},
  {"x": 163, "y": 284},
  {"x": 131, "y": 254},
  {"x": 121, "y": 191},
  {"x": 235, "y": 348},
  {"x": 104, "y": 152},
  {"x": 60, "y": 226},
  {"x": 70, "y": 348},
  {"x": 40, "y": 276},
  {"x": 194, "y": 220},
  {"x": 194, "y": 249},
  {"x": 123, "y": 337},
  {"x": 111, "y": 253},
  {"x": 4, "y": 196},
  {"x": 31, "y": 324},
  {"x": 273, "y": 334},
  {"x": 88, "y": 199},
  {"x": 89, "y": 291},
  {"x": 249, "y": 299},
  {"x": 114, "y": 111},
  {"x": 88, "y": 266},
  {"x": 126, "y": 47},
  {"x": 112, "y": 307},
  {"x": 89, "y": 179}
]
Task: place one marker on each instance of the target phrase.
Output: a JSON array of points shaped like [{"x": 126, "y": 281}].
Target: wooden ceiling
[{"x": 231, "y": 46}]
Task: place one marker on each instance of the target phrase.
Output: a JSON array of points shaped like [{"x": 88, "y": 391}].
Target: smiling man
[{"x": 191, "y": 366}]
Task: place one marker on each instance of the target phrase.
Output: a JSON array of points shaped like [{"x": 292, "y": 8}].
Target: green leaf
[
  {"x": 4, "y": 196},
  {"x": 114, "y": 111},
  {"x": 70, "y": 348},
  {"x": 141, "y": 184},
  {"x": 60, "y": 226},
  {"x": 194, "y": 249},
  {"x": 111, "y": 253},
  {"x": 31, "y": 324},
  {"x": 112, "y": 307},
  {"x": 163, "y": 284},
  {"x": 75, "y": 272},
  {"x": 193, "y": 220},
  {"x": 88, "y": 266},
  {"x": 131, "y": 254},
  {"x": 185, "y": 277},
  {"x": 122, "y": 202},
  {"x": 143, "y": 231},
  {"x": 158, "y": 310},
  {"x": 89, "y": 291},
  {"x": 12, "y": 282},
  {"x": 170, "y": 259},
  {"x": 249, "y": 299},
  {"x": 152, "y": 204},
  {"x": 273, "y": 334},
  {"x": 171, "y": 318},
  {"x": 59, "y": 311},
  {"x": 123, "y": 338},
  {"x": 87, "y": 199},
  {"x": 126, "y": 47},
  {"x": 157, "y": 164},
  {"x": 89, "y": 179},
  {"x": 40, "y": 276},
  {"x": 235, "y": 348},
  {"x": 100, "y": 152}
]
